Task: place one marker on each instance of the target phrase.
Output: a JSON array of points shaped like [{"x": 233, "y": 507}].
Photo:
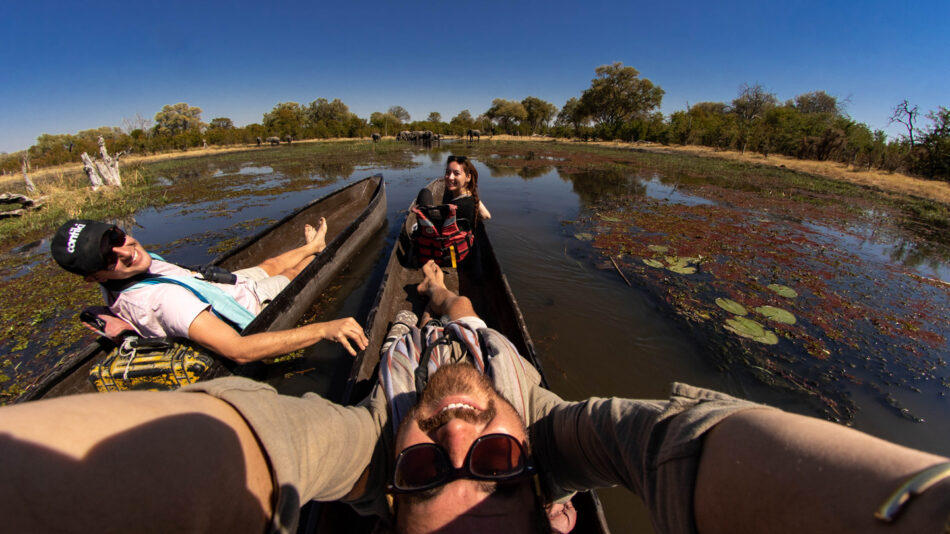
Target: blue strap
[{"x": 222, "y": 304}]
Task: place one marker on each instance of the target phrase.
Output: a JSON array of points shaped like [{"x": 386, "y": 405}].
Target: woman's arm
[{"x": 483, "y": 212}]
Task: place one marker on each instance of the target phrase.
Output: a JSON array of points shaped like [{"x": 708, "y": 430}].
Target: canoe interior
[
  {"x": 353, "y": 215},
  {"x": 485, "y": 284}
]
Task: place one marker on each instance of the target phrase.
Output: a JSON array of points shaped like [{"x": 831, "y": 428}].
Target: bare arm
[
  {"x": 216, "y": 335},
  {"x": 769, "y": 471},
  {"x": 131, "y": 462},
  {"x": 483, "y": 212}
]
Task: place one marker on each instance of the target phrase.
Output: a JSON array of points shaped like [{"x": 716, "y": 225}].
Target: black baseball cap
[{"x": 77, "y": 246}]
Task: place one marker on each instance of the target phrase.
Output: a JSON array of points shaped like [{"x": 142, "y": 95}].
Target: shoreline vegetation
[
  {"x": 892, "y": 182},
  {"x": 67, "y": 192}
]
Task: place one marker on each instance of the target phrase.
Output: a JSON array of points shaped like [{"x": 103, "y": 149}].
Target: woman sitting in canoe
[{"x": 440, "y": 236}]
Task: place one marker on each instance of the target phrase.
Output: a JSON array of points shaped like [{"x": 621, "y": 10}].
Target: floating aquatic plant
[
  {"x": 584, "y": 236},
  {"x": 731, "y": 306},
  {"x": 783, "y": 291},
  {"x": 673, "y": 263},
  {"x": 608, "y": 219},
  {"x": 753, "y": 330},
  {"x": 658, "y": 248},
  {"x": 776, "y": 314}
]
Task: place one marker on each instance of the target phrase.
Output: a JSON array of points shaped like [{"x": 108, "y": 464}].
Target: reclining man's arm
[
  {"x": 131, "y": 462},
  {"x": 216, "y": 335}
]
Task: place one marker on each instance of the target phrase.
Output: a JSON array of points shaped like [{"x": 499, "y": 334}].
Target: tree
[
  {"x": 907, "y": 115},
  {"x": 539, "y": 112},
  {"x": 750, "y": 107},
  {"x": 936, "y": 142},
  {"x": 329, "y": 119},
  {"x": 573, "y": 114},
  {"x": 221, "y": 123},
  {"x": 387, "y": 122},
  {"x": 817, "y": 102},
  {"x": 506, "y": 112},
  {"x": 616, "y": 95},
  {"x": 176, "y": 119},
  {"x": 400, "y": 113},
  {"x": 462, "y": 122},
  {"x": 285, "y": 119},
  {"x": 435, "y": 116}
]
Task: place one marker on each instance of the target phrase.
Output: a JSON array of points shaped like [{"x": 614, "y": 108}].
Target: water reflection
[{"x": 596, "y": 185}]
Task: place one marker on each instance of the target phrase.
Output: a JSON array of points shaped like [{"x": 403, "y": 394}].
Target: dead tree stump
[
  {"x": 103, "y": 171},
  {"x": 30, "y": 188}
]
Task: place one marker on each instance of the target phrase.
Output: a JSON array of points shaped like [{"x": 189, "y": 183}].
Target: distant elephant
[
  {"x": 288, "y": 139},
  {"x": 403, "y": 136},
  {"x": 474, "y": 134},
  {"x": 273, "y": 140},
  {"x": 376, "y": 137},
  {"x": 259, "y": 141}
]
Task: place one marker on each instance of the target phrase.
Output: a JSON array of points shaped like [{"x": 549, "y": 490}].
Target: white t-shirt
[{"x": 167, "y": 310}]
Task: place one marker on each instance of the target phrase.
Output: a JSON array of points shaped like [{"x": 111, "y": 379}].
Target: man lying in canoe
[
  {"x": 233, "y": 455},
  {"x": 160, "y": 299}
]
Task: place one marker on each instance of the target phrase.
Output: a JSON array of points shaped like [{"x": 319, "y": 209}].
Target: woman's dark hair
[{"x": 469, "y": 168}]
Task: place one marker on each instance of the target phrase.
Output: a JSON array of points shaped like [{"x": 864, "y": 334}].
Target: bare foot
[
  {"x": 317, "y": 236},
  {"x": 434, "y": 279}
]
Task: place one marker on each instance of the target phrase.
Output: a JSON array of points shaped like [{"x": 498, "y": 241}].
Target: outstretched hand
[{"x": 343, "y": 331}]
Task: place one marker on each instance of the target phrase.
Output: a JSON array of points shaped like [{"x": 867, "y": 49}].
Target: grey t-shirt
[{"x": 319, "y": 450}]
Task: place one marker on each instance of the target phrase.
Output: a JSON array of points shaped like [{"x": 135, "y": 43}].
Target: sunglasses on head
[
  {"x": 111, "y": 239},
  {"x": 495, "y": 457}
]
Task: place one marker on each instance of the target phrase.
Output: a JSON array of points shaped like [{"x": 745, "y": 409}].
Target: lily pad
[
  {"x": 731, "y": 306},
  {"x": 750, "y": 329},
  {"x": 654, "y": 263},
  {"x": 776, "y": 314},
  {"x": 783, "y": 291},
  {"x": 609, "y": 219},
  {"x": 584, "y": 236},
  {"x": 679, "y": 269},
  {"x": 658, "y": 248}
]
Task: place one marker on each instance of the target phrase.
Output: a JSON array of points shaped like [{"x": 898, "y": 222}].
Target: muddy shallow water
[{"x": 871, "y": 279}]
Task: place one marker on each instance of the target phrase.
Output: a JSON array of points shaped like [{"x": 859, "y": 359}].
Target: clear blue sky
[{"x": 70, "y": 66}]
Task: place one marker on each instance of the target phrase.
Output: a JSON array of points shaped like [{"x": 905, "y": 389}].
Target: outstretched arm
[
  {"x": 216, "y": 335},
  {"x": 131, "y": 462},
  {"x": 483, "y": 212},
  {"x": 771, "y": 471}
]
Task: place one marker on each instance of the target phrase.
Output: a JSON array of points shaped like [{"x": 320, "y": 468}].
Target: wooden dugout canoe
[
  {"x": 353, "y": 215},
  {"x": 486, "y": 285}
]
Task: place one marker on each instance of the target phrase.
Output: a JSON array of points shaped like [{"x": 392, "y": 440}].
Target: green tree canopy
[
  {"x": 617, "y": 95},
  {"x": 817, "y": 102},
  {"x": 221, "y": 123},
  {"x": 506, "y": 112},
  {"x": 386, "y": 122},
  {"x": 572, "y": 114},
  {"x": 539, "y": 112},
  {"x": 178, "y": 118},
  {"x": 435, "y": 116},
  {"x": 285, "y": 119}
]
